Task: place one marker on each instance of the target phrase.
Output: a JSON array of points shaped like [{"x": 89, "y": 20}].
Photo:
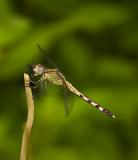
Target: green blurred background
[{"x": 95, "y": 45}]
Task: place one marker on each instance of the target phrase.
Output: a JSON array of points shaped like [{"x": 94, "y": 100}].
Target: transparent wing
[
  {"x": 43, "y": 86},
  {"x": 47, "y": 58},
  {"x": 68, "y": 102}
]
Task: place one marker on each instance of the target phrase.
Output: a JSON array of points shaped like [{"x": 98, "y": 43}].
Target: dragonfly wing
[
  {"x": 68, "y": 102},
  {"x": 43, "y": 85}
]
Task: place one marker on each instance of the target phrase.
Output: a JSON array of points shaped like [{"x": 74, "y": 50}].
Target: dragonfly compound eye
[{"x": 38, "y": 70}]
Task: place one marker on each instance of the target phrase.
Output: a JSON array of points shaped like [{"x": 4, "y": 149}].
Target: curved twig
[{"x": 30, "y": 117}]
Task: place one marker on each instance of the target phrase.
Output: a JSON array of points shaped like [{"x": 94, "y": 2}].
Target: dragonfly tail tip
[{"x": 113, "y": 116}]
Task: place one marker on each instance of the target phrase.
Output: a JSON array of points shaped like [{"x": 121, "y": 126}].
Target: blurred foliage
[{"x": 95, "y": 45}]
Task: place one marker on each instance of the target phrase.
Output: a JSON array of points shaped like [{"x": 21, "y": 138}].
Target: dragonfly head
[{"x": 36, "y": 70}]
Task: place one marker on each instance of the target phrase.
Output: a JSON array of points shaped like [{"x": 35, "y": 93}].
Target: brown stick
[{"x": 30, "y": 117}]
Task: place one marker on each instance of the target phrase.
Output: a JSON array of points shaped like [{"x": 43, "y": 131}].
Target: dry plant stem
[{"x": 30, "y": 117}]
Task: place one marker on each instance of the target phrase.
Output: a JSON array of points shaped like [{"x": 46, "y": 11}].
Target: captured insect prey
[{"x": 54, "y": 76}]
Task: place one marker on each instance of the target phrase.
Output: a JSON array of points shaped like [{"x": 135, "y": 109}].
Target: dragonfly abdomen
[{"x": 88, "y": 100}]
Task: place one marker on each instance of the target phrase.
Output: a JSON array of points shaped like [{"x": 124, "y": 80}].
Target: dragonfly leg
[
  {"x": 32, "y": 83},
  {"x": 37, "y": 84},
  {"x": 41, "y": 79}
]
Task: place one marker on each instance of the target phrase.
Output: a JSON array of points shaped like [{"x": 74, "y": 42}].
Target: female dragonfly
[{"x": 56, "y": 77}]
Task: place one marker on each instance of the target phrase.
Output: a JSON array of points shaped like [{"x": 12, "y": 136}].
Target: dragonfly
[{"x": 55, "y": 77}]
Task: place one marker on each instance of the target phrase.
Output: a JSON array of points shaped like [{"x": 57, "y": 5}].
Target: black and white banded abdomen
[{"x": 88, "y": 100}]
